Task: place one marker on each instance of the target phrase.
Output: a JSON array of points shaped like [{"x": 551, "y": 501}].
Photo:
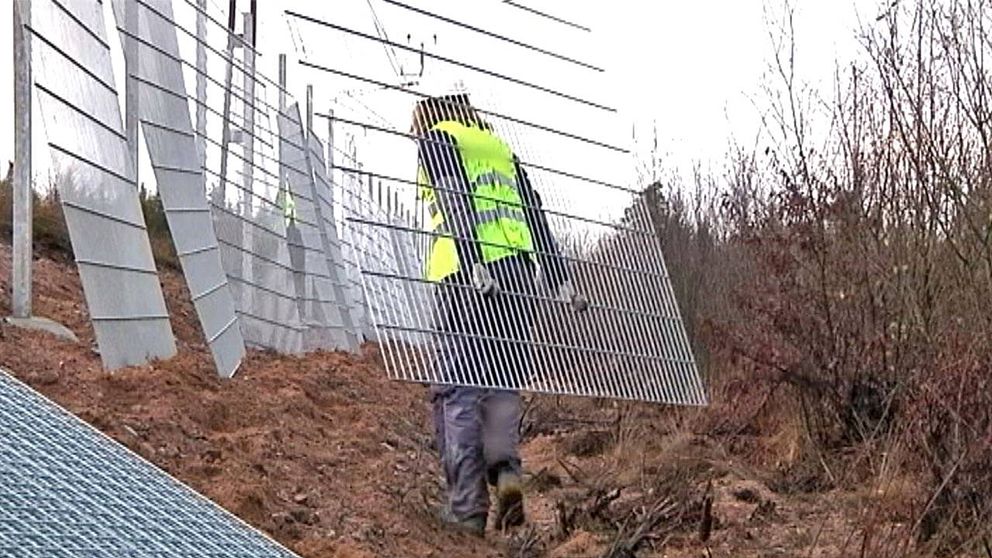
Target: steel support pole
[
  {"x": 22, "y": 233},
  {"x": 225, "y": 139},
  {"x": 331, "y": 171},
  {"x": 309, "y": 117},
  {"x": 282, "y": 82},
  {"x": 248, "y": 143},
  {"x": 201, "y": 81},
  {"x": 131, "y": 47}
]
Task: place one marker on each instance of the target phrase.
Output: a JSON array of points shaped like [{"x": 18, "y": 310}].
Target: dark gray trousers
[
  {"x": 477, "y": 435},
  {"x": 483, "y": 342}
]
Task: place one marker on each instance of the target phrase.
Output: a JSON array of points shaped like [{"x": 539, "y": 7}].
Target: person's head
[{"x": 428, "y": 112}]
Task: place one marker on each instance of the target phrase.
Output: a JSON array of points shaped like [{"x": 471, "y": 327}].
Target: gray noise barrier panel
[
  {"x": 248, "y": 220},
  {"x": 68, "y": 491},
  {"x": 324, "y": 194},
  {"x": 314, "y": 285},
  {"x": 350, "y": 183},
  {"x": 168, "y": 131},
  {"x": 77, "y": 98}
]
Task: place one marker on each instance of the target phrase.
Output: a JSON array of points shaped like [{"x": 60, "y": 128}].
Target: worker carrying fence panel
[{"x": 488, "y": 236}]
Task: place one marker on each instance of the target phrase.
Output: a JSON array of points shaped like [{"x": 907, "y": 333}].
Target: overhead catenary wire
[
  {"x": 381, "y": 30},
  {"x": 493, "y": 34},
  {"x": 461, "y": 64},
  {"x": 487, "y": 112},
  {"x": 535, "y": 166},
  {"x": 546, "y": 15}
]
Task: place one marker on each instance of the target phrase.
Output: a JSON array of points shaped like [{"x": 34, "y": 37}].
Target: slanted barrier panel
[
  {"x": 324, "y": 194},
  {"x": 164, "y": 114},
  {"x": 77, "y": 98},
  {"x": 314, "y": 284}
]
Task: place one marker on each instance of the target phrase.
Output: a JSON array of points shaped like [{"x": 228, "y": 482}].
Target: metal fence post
[
  {"x": 131, "y": 85},
  {"x": 23, "y": 233},
  {"x": 201, "y": 80},
  {"x": 331, "y": 177},
  {"x": 225, "y": 139},
  {"x": 309, "y": 117},
  {"x": 282, "y": 82},
  {"x": 248, "y": 143}
]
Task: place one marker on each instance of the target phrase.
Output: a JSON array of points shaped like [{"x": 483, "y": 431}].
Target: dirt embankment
[{"x": 334, "y": 460}]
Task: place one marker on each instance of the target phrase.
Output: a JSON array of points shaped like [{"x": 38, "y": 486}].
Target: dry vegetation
[{"x": 838, "y": 280}]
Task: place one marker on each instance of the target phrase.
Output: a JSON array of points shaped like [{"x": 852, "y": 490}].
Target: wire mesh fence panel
[
  {"x": 68, "y": 490},
  {"x": 164, "y": 112},
  {"x": 77, "y": 98},
  {"x": 324, "y": 194},
  {"x": 315, "y": 287},
  {"x": 382, "y": 253},
  {"x": 538, "y": 264}
]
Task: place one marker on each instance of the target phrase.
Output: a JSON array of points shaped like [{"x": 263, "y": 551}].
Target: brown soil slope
[{"x": 334, "y": 460}]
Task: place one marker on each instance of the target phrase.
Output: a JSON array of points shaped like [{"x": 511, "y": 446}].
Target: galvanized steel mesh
[{"x": 69, "y": 491}]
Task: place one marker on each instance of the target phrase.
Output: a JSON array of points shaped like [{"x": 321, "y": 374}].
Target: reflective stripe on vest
[
  {"x": 500, "y": 222},
  {"x": 495, "y": 179},
  {"x": 488, "y": 216}
]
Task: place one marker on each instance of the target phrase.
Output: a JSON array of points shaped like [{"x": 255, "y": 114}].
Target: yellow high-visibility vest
[{"x": 501, "y": 224}]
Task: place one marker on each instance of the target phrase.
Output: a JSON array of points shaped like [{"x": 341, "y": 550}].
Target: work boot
[
  {"x": 509, "y": 499},
  {"x": 475, "y": 525}
]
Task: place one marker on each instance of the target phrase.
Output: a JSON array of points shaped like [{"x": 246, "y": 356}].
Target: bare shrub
[{"x": 839, "y": 274}]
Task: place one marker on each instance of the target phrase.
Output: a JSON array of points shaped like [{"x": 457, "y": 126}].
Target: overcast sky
[{"x": 690, "y": 68}]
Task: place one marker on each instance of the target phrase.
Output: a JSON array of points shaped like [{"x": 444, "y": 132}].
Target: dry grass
[{"x": 52, "y": 235}]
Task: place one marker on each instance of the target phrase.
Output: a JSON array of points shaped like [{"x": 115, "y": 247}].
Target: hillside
[{"x": 334, "y": 460}]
